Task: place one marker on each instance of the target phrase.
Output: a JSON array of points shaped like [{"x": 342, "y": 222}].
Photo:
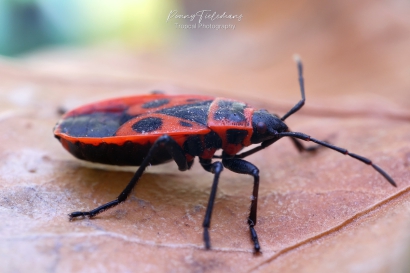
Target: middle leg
[
  {"x": 241, "y": 166},
  {"x": 215, "y": 168}
]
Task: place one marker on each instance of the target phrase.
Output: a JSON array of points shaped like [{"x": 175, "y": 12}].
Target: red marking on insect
[{"x": 153, "y": 129}]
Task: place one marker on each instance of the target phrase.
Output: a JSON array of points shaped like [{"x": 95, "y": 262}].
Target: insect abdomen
[{"x": 127, "y": 154}]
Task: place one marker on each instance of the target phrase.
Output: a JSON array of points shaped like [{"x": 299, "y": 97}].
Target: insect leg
[
  {"x": 300, "y": 104},
  {"x": 215, "y": 168},
  {"x": 241, "y": 166},
  {"x": 162, "y": 142}
]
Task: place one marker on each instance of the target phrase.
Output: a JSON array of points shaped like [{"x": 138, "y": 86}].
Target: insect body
[{"x": 157, "y": 128}]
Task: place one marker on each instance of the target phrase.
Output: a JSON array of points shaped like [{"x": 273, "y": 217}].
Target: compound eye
[{"x": 261, "y": 127}]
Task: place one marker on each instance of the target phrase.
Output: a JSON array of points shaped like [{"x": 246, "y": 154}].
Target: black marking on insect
[
  {"x": 96, "y": 124},
  {"x": 192, "y": 100},
  {"x": 193, "y": 146},
  {"x": 147, "y": 125},
  {"x": 155, "y": 103},
  {"x": 212, "y": 140},
  {"x": 236, "y": 136},
  {"x": 128, "y": 153},
  {"x": 196, "y": 112},
  {"x": 232, "y": 111},
  {"x": 185, "y": 124},
  {"x": 126, "y": 117}
]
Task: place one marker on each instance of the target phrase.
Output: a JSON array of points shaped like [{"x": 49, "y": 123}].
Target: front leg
[{"x": 241, "y": 166}]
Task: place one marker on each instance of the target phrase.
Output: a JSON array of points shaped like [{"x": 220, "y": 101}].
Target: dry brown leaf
[{"x": 317, "y": 213}]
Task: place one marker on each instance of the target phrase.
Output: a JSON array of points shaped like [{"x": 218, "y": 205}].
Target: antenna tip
[{"x": 296, "y": 58}]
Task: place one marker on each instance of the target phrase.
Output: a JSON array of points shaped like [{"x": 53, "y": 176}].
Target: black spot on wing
[
  {"x": 147, "y": 125},
  {"x": 230, "y": 110},
  {"x": 235, "y": 136},
  {"x": 196, "y": 112},
  {"x": 185, "y": 124},
  {"x": 155, "y": 103},
  {"x": 97, "y": 124}
]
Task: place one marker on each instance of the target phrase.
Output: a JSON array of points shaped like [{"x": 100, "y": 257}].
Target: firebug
[{"x": 156, "y": 128}]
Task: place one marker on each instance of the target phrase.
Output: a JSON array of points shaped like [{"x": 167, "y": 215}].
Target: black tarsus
[
  {"x": 164, "y": 141},
  {"x": 300, "y": 104},
  {"x": 340, "y": 150},
  {"x": 244, "y": 167},
  {"x": 215, "y": 168}
]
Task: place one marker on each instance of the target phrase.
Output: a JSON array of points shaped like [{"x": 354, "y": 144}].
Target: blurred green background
[{"x": 29, "y": 24}]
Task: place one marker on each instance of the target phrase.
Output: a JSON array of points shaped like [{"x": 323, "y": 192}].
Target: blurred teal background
[{"x": 30, "y": 24}]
